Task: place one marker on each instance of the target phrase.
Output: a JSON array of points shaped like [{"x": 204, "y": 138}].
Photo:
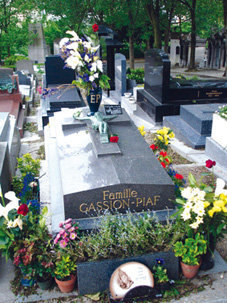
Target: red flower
[
  {"x": 163, "y": 164},
  {"x": 210, "y": 163},
  {"x": 153, "y": 147},
  {"x": 23, "y": 210},
  {"x": 167, "y": 160},
  {"x": 95, "y": 27},
  {"x": 179, "y": 177},
  {"x": 164, "y": 154},
  {"x": 114, "y": 139}
]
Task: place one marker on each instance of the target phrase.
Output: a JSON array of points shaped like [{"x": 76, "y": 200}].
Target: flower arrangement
[
  {"x": 164, "y": 159},
  {"x": 82, "y": 56},
  {"x": 204, "y": 210}
]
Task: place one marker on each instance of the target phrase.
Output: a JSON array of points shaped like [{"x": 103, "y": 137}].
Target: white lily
[
  {"x": 93, "y": 67},
  {"x": 99, "y": 65},
  {"x": 220, "y": 184},
  {"x": 75, "y": 36},
  {"x": 14, "y": 204},
  {"x": 63, "y": 42},
  {"x": 73, "y": 46},
  {"x": 18, "y": 222},
  {"x": 91, "y": 78}
]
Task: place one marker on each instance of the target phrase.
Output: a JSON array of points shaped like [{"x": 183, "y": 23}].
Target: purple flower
[{"x": 160, "y": 261}]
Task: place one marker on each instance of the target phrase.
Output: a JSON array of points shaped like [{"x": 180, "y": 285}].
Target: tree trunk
[
  {"x": 225, "y": 23},
  {"x": 166, "y": 40},
  {"x": 193, "y": 36},
  {"x": 157, "y": 34},
  {"x": 131, "y": 52}
]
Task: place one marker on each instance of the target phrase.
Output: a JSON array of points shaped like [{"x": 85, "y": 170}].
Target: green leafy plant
[
  {"x": 136, "y": 74},
  {"x": 11, "y": 61},
  {"x": 160, "y": 274},
  {"x": 223, "y": 112},
  {"x": 64, "y": 267},
  {"x": 191, "y": 250}
]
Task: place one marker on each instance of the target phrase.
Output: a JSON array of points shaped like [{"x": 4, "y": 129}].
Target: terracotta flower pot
[
  {"x": 189, "y": 271},
  {"x": 66, "y": 286}
]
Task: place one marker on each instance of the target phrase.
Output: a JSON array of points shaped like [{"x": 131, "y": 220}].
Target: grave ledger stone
[
  {"x": 88, "y": 178},
  {"x": 163, "y": 95}
]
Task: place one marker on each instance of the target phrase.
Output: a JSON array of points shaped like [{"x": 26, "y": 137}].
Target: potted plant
[
  {"x": 45, "y": 265},
  {"x": 65, "y": 246},
  {"x": 65, "y": 272},
  {"x": 82, "y": 56},
  {"x": 190, "y": 252},
  {"x": 161, "y": 277}
]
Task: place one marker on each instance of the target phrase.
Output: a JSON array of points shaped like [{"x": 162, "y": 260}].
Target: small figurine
[{"x": 98, "y": 123}]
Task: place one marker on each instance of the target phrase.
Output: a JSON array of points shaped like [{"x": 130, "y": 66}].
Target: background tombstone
[
  {"x": 120, "y": 76},
  {"x": 38, "y": 50},
  {"x": 25, "y": 66}
]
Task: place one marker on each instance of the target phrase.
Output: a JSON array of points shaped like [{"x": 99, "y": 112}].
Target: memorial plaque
[
  {"x": 129, "y": 276},
  {"x": 111, "y": 109}
]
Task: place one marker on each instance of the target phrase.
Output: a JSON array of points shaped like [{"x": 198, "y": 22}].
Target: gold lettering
[
  {"x": 92, "y": 207},
  {"x": 119, "y": 195},
  {"x": 138, "y": 201},
  {"x": 86, "y": 208},
  {"x": 125, "y": 203},
  {"x": 105, "y": 203},
  {"x": 115, "y": 202},
  {"x": 149, "y": 201},
  {"x": 134, "y": 194},
  {"x": 99, "y": 205},
  {"x": 156, "y": 199},
  {"x": 93, "y": 99},
  {"x": 98, "y": 98},
  {"x": 111, "y": 196},
  {"x": 105, "y": 194}
]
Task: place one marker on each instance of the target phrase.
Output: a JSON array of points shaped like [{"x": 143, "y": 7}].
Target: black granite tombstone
[
  {"x": 95, "y": 178},
  {"x": 162, "y": 95},
  {"x": 56, "y": 73},
  {"x": 23, "y": 79},
  {"x": 60, "y": 92}
]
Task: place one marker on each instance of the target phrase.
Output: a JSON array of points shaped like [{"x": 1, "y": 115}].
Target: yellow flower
[
  {"x": 142, "y": 131},
  {"x": 224, "y": 209},
  {"x": 214, "y": 210},
  {"x": 219, "y": 203},
  {"x": 206, "y": 204},
  {"x": 171, "y": 135},
  {"x": 160, "y": 137},
  {"x": 223, "y": 197}
]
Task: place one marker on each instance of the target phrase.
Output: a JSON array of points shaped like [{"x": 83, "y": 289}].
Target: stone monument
[
  {"x": 38, "y": 50},
  {"x": 88, "y": 178}
]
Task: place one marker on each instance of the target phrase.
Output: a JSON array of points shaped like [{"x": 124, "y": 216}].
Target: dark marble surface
[
  {"x": 56, "y": 73},
  {"x": 92, "y": 183}
]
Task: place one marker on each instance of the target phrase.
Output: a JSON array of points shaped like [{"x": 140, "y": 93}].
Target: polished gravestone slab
[
  {"x": 86, "y": 181},
  {"x": 61, "y": 94},
  {"x": 162, "y": 95},
  {"x": 194, "y": 123}
]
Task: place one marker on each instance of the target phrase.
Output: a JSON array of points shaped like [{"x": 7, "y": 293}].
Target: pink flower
[
  {"x": 64, "y": 235},
  {"x": 67, "y": 226},
  {"x": 77, "y": 227},
  {"x": 210, "y": 163},
  {"x": 71, "y": 229},
  {"x": 61, "y": 224},
  {"x": 73, "y": 236},
  {"x": 68, "y": 221},
  {"x": 57, "y": 238},
  {"x": 16, "y": 260},
  {"x": 61, "y": 232},
  {"x": 63, "y": 243}
]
